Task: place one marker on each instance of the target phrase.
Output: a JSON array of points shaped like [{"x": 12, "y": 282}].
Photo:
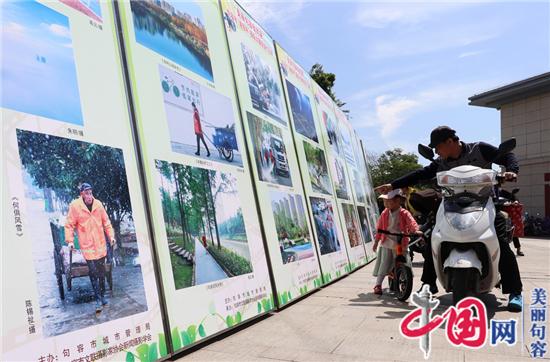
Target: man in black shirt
[{"x": 453, "y": 153}]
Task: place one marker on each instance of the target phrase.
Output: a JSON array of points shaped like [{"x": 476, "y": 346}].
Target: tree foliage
[
  {"x": 234, "y": 226},
  {"x": 326, "y": 81},
  {"x": 62, "y": 164},
  {"x": 189, "y": 197},
  {"x": 288, "y": 227},
  {"x": 391, "y": 165}
]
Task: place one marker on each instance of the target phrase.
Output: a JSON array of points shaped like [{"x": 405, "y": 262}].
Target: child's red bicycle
[{"x": 401, "y": 276}]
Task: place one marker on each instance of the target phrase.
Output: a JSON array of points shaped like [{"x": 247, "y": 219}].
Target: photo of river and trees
[{"x": 176, "y": 30}]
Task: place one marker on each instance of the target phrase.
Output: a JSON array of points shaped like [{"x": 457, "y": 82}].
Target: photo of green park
[
  {"x": 204, "y": 224},
  {"x": 291, "y": 225}
]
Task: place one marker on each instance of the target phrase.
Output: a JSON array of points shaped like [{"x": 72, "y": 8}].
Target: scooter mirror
[
  {"x": 507, "y": 146},
  {"x": 426, "y": 152}
]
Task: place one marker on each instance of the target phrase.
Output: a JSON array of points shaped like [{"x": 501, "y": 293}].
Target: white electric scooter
[{"x": 465, "y": 247}]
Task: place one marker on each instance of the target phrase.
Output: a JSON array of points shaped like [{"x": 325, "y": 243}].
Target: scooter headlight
[{"x": 463, "y": 221}]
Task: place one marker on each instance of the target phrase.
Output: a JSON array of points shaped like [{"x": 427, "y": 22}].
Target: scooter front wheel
[{"x": 464, "y": 283}]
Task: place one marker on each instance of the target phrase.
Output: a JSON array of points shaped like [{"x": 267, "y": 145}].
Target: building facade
[{"x": 525, "y": 114}]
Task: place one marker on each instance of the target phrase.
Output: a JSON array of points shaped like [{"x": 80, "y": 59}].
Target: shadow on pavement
[{"x": 386, "y": 300}]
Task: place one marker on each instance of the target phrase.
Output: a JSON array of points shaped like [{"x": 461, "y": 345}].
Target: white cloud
[
  {"x": 428, "y": 41},
  {"x": 381, "y": 15},
  {"x": 282, "y": 14},
  {"x": 471, "y": 54},
  {"x": 279, "y": 13},
  {"x": 422, "y": 28},
  {"x": 58, "y": 30},
  {"x": 390, "y": 86},
  {"x": 389, "y": 113},
  {"x": 13, "y": 28}
]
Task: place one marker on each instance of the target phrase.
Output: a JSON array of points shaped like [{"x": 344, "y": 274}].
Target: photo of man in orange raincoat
[{"x": 88, "y": 217}]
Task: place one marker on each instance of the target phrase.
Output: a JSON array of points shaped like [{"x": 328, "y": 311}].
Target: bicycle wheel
[{"x": 404, "y": 281}]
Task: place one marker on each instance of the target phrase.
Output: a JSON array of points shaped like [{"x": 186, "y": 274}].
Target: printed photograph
[
  {"x": 334, "y": 136},
  {"x": 317, "y": 168},
  {"x": 204, "y": 224},
  {"x": 269, "y": 151},
  {"x": 325, "y": 225},
  {"x": 201, "y": 121},
  {"x": 263, "y": 85},
  {"x": 39, "y": 71},
  {"x": 301, "y": 112},
  {"x": 339, "y": 179},
  {"x": 352, "y": 226},
  {"x": 175, "y": 30},
  {"x": 373, "y": 216},
  {"x": 364, "y": 224},
  {"x": 90, "y": 8},
  {"x": 290, "y": 222},
  {"x": 85, "y": 249},
  {"x": 347, "y": 146},
  {"x": 358, "y": 186}
]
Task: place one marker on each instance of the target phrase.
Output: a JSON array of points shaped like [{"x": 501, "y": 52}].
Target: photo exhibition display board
[
  {"x": 361, "y": 186},
  {"x": 310, "y": 147},
  {"x": 78, "y": 280},
  {"x": 339, "y": 152},
  {"x": 372, "y": 201},
  {"x": 206, "y": 226},
  {"x": 282, "y": 203},
  {"x": 164, "y": 158}
]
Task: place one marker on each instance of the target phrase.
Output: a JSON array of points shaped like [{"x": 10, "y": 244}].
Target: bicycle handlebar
[{"x": 381, "y": 231}]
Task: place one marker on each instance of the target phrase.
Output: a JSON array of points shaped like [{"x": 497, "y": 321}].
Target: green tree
[
  {"x": 392, "y": 164},
  {"x": 62, "y": 164},
  {"x": 326, "y": 81}
]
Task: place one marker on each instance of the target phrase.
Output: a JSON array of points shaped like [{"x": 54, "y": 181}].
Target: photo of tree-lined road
[{"x": 204, "y": 224}]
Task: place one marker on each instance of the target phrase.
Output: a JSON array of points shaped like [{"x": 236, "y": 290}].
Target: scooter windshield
[
  {"x": 462, "y": 221},
  {"x": 467, "y": 179}
]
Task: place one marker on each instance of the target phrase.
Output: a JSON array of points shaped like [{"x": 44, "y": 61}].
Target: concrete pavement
[{"x": 345, "y": 321}]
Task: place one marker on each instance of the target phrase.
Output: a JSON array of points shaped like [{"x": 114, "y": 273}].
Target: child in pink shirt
[{"x": 394, "y": 219}]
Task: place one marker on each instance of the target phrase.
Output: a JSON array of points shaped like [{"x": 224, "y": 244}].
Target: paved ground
[{"x": 346, "y": 322}]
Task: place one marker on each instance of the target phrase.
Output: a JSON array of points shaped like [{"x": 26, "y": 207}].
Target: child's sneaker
[{"x": 378, "y": 289}]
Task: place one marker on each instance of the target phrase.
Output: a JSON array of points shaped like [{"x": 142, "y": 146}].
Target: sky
[
  {"x": 404, "y": 68},
  {"x": 41, "y": 55}
]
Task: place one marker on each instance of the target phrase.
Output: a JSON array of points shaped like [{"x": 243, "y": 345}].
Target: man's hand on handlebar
[
  {"x": 383, "y": 189},
  {"x": 510, "y": 176}
]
